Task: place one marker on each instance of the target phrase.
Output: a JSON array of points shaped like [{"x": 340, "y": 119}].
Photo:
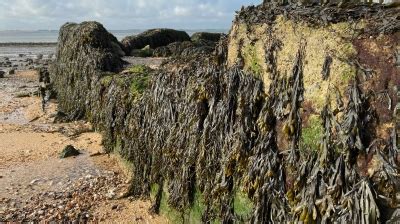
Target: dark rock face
[
  {"x": 214, "y": 37},
  {"x": 172, "y": 49},
  {"x": 185, "y": 48},
  {"x": 85, "y": 53},
  {"x": 69, "y": 151},
  {"x": 154, "y": 38}
]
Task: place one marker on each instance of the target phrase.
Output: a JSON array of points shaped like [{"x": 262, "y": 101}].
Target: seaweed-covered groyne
[{"x": 289, "y": 120}]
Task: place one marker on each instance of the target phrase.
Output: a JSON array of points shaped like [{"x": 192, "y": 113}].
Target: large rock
[
  {"x": 294, "y": 119},
  {"x": 172, "y": 49},
  {"x": 154, "y": 38},
  {"x": 185, "y": 48},
  {"x": 85, "y": 52}
]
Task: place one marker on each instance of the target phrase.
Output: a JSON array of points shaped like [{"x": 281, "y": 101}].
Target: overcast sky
[{"x": 120, "y": 14}]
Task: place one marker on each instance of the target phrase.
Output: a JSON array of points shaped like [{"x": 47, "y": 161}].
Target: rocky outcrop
[
  {"x": 153, "y": 38},
  {"x": 213, "y": 37},
  {"x": 86, "y": 52},
  {"x": 185, "y": 48},
  {"x": 292, "y": 118}
]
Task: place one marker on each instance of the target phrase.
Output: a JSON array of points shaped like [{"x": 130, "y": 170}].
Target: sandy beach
[{"x": 35, "y": 184}]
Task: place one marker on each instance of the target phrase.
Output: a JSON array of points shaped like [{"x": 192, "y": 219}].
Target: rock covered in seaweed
[
  {"x": 85, "y": 53},
  {"x": 213, "y": 37},
  {"x": 186, "y": 48},
  {"x": 154, "y": 38},
  {"x": 301, "y": 121}
]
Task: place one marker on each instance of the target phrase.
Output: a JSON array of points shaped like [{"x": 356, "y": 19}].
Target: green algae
[
  {"x": 252, "y": 59},
  {"x": 243, "y": 206},
  {"x": 312, "y": 133}
]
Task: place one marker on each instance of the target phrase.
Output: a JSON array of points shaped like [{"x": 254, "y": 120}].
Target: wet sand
[{"x": 35, "y": 185}]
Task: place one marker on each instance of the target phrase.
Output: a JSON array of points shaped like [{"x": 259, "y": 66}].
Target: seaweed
[{"x": 197, "y": 132}]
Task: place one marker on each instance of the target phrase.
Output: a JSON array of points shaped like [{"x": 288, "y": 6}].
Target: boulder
[
  {"x": 173, "y": 49},
  {"x": 69, "y": 151},
  {"x": 214, "y": 37},
  {"x": 85, "y": 52},
  {"x": 162, "y": 52},
  {"x": 154, "y": 38},
  {"x": 185, "y": 49}
]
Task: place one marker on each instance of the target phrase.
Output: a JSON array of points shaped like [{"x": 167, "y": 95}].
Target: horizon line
[{"x": 49, "y": 30}]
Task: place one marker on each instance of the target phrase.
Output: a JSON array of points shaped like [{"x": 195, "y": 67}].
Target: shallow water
[
  {"x": 51, "y": 36},
  {"x": 27, "y": 51}
]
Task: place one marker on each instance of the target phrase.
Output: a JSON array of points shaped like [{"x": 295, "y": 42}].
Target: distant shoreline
[{"x": 28, "y": 44}]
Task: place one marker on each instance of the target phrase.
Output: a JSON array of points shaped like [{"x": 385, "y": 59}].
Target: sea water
[
  {"x": 51, "y": 36},
  {"x": 31, "y": 43}
]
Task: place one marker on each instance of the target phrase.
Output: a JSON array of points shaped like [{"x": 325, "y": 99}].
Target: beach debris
[
  {"x": 73, "y": 203},
  {"x": 23, "y": 94},
  {"x": 69, "y": 151}
]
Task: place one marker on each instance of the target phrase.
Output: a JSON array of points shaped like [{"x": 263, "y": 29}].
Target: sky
[{"x": 120, "y": 14}]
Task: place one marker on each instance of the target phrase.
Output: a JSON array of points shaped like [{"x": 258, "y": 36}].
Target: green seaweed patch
[
  {"x": 191, "y": 215},
  {"x": 312, "y": 133},
  {"x": 140, "y": 81},
  {"x": 153, "y": 191},
  {"x": 139, "y": 69},
  {"x": 118, "y": 146},
  {"x": 172, "y": 214},
  {"x": 349, "y": 74},
  {"x": 251, "y": 59},
  {"x": 106, "y": 79},
  {"x": 197, "y": 209},
  {"x": 242, "y": 206}
]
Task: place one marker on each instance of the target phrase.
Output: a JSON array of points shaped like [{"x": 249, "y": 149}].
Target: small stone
[
  {"x": 34, "y": 181},
  {"x": 114, "y": 207},
  {"x": 11, "y": 71},
  {"x": 110, "y": 194},
  {"x": 2, "y": 74},
  {"x": 69, "y": 151}
]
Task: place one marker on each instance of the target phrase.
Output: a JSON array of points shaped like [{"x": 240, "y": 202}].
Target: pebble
[{"x": 34, "y": 181}]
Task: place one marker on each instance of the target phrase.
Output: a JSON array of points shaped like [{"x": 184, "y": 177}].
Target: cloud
[{"x": 119, "y": 14}]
